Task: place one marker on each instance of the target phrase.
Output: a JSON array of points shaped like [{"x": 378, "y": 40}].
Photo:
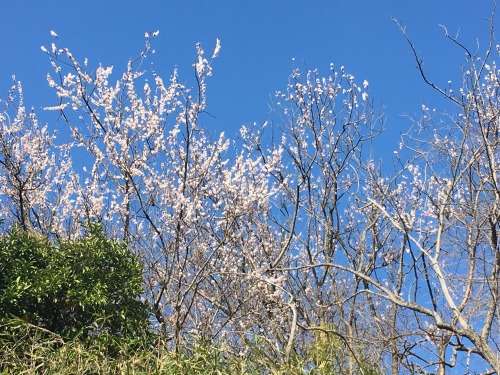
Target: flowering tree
[
  {"x": 32, "y": 173},
  {"x": 292, "y": 236},
  {"x": 406, "y": 264},
  {"x": 216, "y": 235},
  {"x": 444, "y": 204},
  {"x": 430, "y": 271},
  {"x": 199, "y": 222},
  {"x": 323, "y": 127}
]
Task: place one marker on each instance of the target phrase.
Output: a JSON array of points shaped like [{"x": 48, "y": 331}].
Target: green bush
[{"x": 75, "y": 289}]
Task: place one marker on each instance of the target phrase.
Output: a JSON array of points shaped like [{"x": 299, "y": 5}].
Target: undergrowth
[{"x": 29, "y": 349}]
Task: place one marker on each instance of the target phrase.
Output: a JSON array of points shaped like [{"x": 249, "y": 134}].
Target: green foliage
[
  {"x": 326, "y": 353},
  {"x": 329, "y": 354},
  {"x": 38, "y": 351},
  {"x": 74, "y": 289},
  {"x": 35, "y": 350}
]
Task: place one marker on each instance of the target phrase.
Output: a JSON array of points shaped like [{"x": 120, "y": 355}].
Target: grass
[{"x": 28, "y": 349}]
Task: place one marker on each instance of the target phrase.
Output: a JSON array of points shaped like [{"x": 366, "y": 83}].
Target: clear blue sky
[{"x": 259, "y": 39}]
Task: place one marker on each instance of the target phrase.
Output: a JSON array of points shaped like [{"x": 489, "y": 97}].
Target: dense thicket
[
  {"x": 295, "y": 233},
  {"x": 71, "y": 288}
]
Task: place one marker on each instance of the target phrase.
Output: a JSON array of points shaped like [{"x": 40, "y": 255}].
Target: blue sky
[{"x": 259, "y": 39}]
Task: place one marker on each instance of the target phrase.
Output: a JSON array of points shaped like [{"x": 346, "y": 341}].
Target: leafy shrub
[{"x": 72, "y": 288}]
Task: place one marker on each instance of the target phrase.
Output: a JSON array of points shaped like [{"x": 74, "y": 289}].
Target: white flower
[
  {"x": 217, "y": 49},
  {"x": 365, "y": 84},
  {"x": 53, "y": 33}
]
